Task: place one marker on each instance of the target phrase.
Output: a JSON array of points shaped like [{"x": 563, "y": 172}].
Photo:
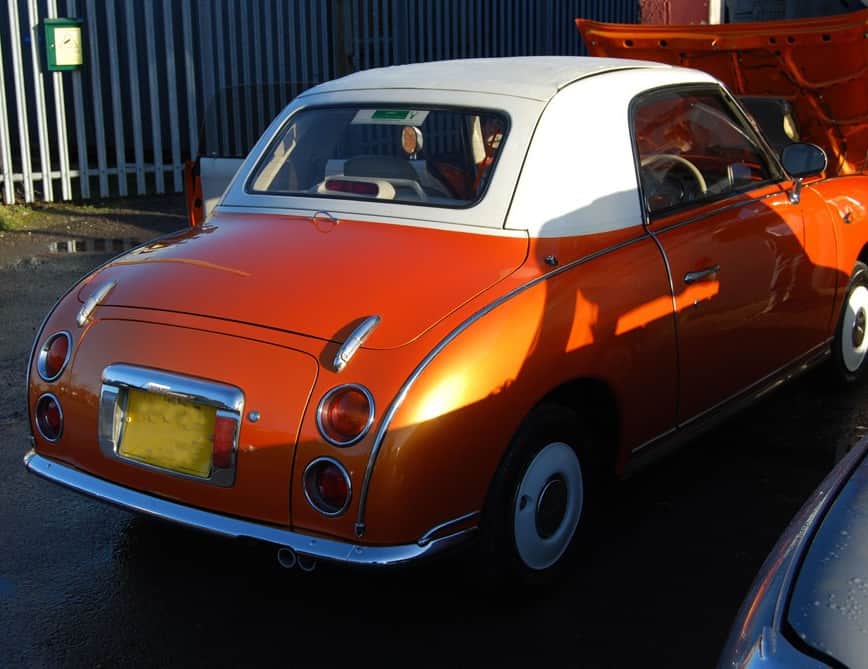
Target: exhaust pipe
[
  {"x": 306, "y": 563},
  {"x": 286, "y": 557}
]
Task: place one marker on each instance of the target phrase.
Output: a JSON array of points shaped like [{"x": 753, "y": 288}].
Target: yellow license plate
[{"x": 168, "y": 432}]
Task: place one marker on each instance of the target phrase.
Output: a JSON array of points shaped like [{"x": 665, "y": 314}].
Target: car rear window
[{"x": 403, "y": 154}]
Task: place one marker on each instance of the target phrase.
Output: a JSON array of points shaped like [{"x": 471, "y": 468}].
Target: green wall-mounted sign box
[{"x": 64, "y": 49}]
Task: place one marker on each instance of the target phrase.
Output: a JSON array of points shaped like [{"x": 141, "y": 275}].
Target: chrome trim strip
[
  {"x": 429, "y": 535},
  {"x": 227, "y": 526},
  {"x": 343, "y": 470},
  {"x": 43, "y": 354},
  {"x": 117, "y": 378},
  {"x": 705, "y": 420},
  {"x": 354, "y": 341},
  {"x": 59, "y": 410},
  {"x": 770, "y": 381},
  {"x": 733, "y": 205},
  {"x": 92, "y": 302},
  {"x": 674, "y": 314},
  {"x": 321, "y": 406},
  {"x": 402, "y": 393},
  {"x": 188, "y": 388}
]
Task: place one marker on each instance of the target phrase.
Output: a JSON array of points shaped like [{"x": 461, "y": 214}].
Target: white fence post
[
  {"x": 5, "y": 148},
  {"x": 39, "y": 99}
]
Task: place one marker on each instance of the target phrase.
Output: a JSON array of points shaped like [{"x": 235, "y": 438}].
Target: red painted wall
[{"x": 673, "y": 11}]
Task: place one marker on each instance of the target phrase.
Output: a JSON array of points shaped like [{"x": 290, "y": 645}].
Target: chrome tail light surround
[
  {"x": 323, "y": 406},
  {"x": 117, "y": 379},
  {"x": 39, "y": 417},
  {"x": 313, "y": 497},
  {"x": 42, "y": 356}
]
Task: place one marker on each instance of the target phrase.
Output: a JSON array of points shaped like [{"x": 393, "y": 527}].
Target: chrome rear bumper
[{"x": 227, "y": 526}]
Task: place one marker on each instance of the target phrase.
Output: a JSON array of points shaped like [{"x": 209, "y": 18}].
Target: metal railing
[{"x": 126, "y": 121}]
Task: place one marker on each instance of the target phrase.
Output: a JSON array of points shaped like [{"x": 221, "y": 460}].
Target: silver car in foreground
[{"x": 808, "y": 606}]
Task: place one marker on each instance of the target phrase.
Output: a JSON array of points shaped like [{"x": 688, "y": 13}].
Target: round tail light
[
  {"x": 54, "y": 355},
  {"x": 49, "y": 417},
  {"x": 327, "y": 486},
  {"x": 345, "y": 414}
]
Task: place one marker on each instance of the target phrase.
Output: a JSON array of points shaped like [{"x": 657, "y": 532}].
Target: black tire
[
  {"x": 849, "y": 358},
  {"x": 540, "y": 460}
]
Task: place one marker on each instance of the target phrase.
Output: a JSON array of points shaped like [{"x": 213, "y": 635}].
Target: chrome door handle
[{"x": 707, "y": 273}]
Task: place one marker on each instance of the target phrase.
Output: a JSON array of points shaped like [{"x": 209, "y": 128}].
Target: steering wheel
[{"x": 671, "y": 157}]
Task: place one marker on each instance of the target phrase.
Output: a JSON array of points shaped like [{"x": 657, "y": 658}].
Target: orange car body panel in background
[{"x": 819, "y": 64}]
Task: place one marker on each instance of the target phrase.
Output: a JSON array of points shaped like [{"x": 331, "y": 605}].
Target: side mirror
[{"x": 804, "y": 160}]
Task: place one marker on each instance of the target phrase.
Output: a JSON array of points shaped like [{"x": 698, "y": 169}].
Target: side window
[{"x": 693, "y": 147}]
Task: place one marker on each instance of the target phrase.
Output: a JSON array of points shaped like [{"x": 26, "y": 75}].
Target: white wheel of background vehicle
[
  {"x": 854, "y": 340},
  {"x": 548, "y": 505}
]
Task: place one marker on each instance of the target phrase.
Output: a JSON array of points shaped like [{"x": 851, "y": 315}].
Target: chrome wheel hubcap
[
  {"x": 548, "y": 506},
  {"x": 855, "y": 345}
]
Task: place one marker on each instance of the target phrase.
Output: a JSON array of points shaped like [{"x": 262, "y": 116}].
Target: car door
[{"x": 748, "y": 299}]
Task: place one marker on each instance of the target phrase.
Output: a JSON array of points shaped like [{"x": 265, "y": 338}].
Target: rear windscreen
[{"x": 417, "y": 155}]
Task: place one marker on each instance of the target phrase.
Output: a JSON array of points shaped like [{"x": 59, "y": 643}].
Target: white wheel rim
[
  {"x": 853, "y": 348},
  {"x": 555, "y": 462}
]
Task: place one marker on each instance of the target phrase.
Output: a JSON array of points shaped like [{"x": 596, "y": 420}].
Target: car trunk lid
[
  {"x": 314, "y": 276},
  {"x": 138, "y": 408}
]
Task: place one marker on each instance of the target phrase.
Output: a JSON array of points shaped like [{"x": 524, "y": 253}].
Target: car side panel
[
  {"x": 609, "y": 318},
  {"x": 768, "y": 303}
]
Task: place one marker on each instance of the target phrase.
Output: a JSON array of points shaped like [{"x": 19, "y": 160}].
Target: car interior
[
  {"x": 435, "y": 156},
  {"x": 691, "y": 148}
]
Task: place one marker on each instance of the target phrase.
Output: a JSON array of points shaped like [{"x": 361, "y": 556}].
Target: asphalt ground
[{"x": 85, "y": 584}]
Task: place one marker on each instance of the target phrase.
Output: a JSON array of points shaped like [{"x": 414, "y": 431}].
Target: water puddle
[{"x": 92, "y": 245}]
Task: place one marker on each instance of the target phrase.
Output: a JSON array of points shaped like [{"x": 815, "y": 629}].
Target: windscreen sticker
[{"x": 390, "y": 117}]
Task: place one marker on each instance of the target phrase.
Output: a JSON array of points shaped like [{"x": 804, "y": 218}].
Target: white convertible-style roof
[
  {"x": 566, "y": 166},
  {"x": 535, "y": 77}
]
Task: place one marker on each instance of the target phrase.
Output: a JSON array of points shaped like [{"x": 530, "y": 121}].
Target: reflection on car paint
[{"x": 92, "y": 245}]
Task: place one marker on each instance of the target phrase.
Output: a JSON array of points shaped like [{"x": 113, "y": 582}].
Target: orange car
[{"x": 448, "y": 300}]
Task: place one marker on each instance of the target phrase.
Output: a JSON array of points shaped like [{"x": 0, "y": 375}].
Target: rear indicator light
[
  {"x": 224, "y": 441},
  {"x": 49, "y": 417},
  {"x": 327, "y": 486},
  {"x": 54, "y": 355},
  {"x": 353, "y": 187},
  {"x": 345, "y": 414}
]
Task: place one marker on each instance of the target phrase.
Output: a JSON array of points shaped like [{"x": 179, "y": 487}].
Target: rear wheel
[
  {"x": 537, "y": 507},
  {"x": 850, "y": 345}
]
